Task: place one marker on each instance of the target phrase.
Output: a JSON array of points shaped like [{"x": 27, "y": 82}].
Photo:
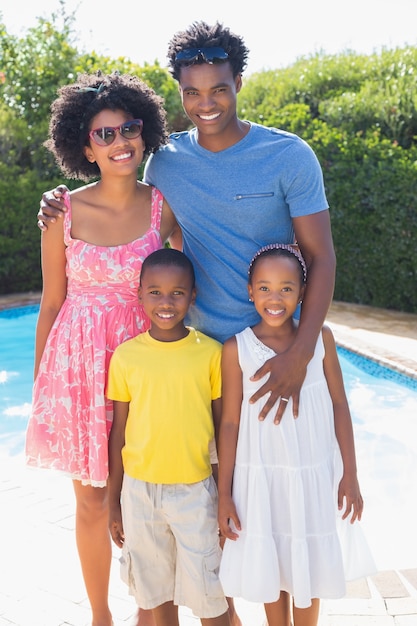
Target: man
[{"x": 235, "y": 186}]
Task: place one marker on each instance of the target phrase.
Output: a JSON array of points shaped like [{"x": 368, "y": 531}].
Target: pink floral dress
[{"x": 71, "y": 418}]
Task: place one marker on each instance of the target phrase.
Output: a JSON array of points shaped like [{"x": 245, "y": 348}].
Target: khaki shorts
[{"x": 171, "y": 550}]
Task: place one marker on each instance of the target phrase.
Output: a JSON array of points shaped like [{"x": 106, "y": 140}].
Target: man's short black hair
[{"x": 202, "y": 35}]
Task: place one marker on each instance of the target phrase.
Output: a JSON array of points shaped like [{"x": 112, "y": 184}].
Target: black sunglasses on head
[{"x": 208, "y": 55}]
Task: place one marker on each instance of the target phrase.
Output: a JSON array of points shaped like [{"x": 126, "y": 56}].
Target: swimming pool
[
  {"x": 17, "y": 329},
  {"x": 384, "y": 412}
]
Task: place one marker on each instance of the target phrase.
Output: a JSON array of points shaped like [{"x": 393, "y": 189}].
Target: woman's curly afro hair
[
  {"x": 202, "y": 35},
  {"x": 78, "y": 103}
]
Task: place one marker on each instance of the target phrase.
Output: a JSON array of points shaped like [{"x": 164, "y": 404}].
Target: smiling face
[
  {"x": 276, "y": 288},
  {"x": 209, "y": 95},
  {"x": 124, "y": 155},
  {"x": 166, "y": 293}
]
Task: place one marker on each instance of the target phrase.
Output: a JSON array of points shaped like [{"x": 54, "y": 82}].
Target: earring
[{"x": 250, "y": 300}]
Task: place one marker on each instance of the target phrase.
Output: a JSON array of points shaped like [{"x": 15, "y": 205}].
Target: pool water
[
  {"x": 17, "y": 331},
  {"x": 383, "y": 404}
]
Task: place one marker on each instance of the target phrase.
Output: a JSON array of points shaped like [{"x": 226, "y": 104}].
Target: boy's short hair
[
  {"x": 168, "y": 257},
  {"x": 202, "y": 35}
]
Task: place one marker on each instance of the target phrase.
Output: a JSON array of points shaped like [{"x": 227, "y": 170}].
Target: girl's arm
[
  {"x": 54, "y": 285},
  {"x": 229, "y": 428},
  {"x": 170, "y": 231},
  {"x": 175, "y": 239},
  {"x": 116, "y": 472},
  {"x": 348, "y": 487}
]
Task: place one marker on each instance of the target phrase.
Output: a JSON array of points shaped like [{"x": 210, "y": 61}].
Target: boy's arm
[
  {"x": 287, "y": 371},
  {"x": 216, "y": 409},
  {"x": 349, "y": 486},
  {"x": 116, "y": 443},
  {"x": 229, "y": 429}
]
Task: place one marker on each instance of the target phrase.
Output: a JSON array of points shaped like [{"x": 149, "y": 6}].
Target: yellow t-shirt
[{"x": 170, "y": 387}]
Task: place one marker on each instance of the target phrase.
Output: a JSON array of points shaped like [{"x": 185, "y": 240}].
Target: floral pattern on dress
[{"x": 71, "y": 418}]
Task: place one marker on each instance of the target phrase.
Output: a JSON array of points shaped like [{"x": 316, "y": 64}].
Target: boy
[{"x": 166, "y": 385}]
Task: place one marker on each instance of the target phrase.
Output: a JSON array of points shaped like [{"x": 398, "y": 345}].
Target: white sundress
[{"x": 285, "y": 491}]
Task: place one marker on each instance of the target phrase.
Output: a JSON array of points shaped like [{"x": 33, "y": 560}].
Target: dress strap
[
  {"x": 156, "y": 211},
  {"x": 67, "y": 218}
]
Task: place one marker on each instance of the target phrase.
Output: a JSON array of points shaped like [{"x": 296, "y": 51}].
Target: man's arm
[{"x": 287, "y": 371}]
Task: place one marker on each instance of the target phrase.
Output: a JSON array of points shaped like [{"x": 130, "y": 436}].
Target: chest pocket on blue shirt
[{"x": 243, "y": 196}]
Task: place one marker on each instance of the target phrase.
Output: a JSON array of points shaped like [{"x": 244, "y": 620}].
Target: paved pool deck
[{"x": 40, "y": 579}]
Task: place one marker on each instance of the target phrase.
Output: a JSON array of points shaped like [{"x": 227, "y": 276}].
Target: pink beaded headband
[{"x": 293, "y": 249}]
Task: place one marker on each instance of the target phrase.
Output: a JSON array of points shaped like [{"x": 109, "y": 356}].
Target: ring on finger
[{"x": 284, "y": 399}]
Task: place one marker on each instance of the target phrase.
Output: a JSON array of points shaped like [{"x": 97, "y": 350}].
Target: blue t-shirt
[{"x": 228, "y": 205}]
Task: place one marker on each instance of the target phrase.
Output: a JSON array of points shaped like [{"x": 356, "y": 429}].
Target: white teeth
[
  {"x": 209, "y": 117},
  {"x": 274, "y": 312},
  {"x": 120, "y": 157},
  {"x": 166, "y": 316}
]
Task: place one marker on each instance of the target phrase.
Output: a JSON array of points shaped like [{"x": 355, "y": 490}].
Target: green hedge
[
  {"x": 359, "y": 114},
  {"x": 372, "y": 191}
]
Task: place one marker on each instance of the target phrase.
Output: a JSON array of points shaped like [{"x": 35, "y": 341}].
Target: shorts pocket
[
  {"x": 210, "y": 487},
  {"x": 126, "y": 569},
  {"x": 212, "y": 584}
]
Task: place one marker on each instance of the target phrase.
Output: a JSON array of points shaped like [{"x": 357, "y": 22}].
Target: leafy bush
[
  {"x": 359, "y": 114},
  {"x": 372, "y": 190}
]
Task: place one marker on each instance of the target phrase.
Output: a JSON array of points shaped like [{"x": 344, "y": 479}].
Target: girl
[
  {"x": 280, "y": 526},
  {"x": 101, "y": 126}
]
